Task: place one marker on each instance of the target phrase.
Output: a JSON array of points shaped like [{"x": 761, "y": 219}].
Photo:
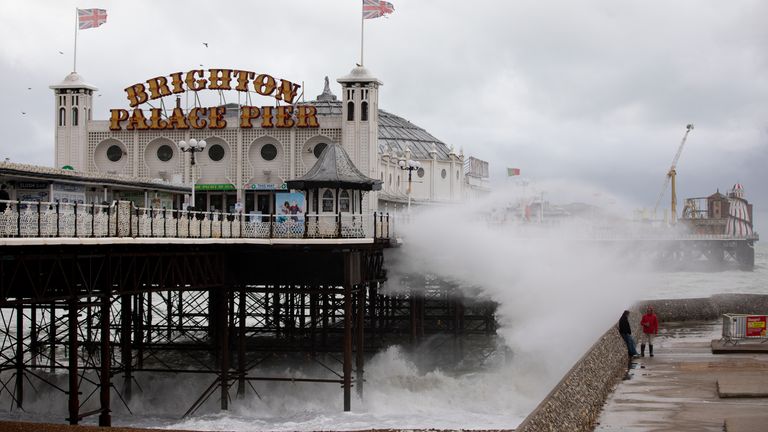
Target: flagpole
[
  {"x": 362, "y": 30},
  {"x": 74, "y": 66}
]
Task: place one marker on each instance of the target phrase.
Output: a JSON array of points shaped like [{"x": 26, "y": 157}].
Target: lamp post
[
  {"x": 410, "y": 166},
  {"x": 193, "y": 146}
]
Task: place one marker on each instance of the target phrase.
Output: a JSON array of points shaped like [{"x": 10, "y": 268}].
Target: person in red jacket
[{"x": 650, "y": 325}]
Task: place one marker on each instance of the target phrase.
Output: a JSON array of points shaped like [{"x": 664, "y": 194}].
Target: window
[
  {"x": 319, "y": 149},
  {"x": 344, "y": 202},
  {"x": 390, "y": 179},
  {"x": 268, "y": 152},
  {"x": 420, "y": 172},
  {"x": 114, "y": 153},
  {"x": 364, "y": 111},
  {"x": 444, "y": 173},
  {"x": 398, "y": 182},
  {"x": 165, "y": 153},
  {"x": 457, "y": 175},
  {"x": 216, "y": 152},
  {"x": 62, "y": 117},
  {"x": 74, "y": 116},
  {"x": 350, "y": 111},
  {"x": 328, "y": 201}
]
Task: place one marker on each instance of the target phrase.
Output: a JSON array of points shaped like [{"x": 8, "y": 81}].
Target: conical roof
[{"x": 334, "y": 169}]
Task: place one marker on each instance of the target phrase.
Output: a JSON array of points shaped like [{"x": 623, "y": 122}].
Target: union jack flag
[
  {"x": 376, "y": 8},
  {"x": 91, "y": 18}
]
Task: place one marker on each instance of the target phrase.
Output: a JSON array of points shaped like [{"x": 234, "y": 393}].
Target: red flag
[
  {"x": 91, "y": 18},
  {"x": 376, "y": 8}
]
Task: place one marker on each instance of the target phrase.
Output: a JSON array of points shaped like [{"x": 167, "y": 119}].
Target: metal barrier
[
  {"x": 739, "y": 327},
  {"x": 123, "y": 219}
]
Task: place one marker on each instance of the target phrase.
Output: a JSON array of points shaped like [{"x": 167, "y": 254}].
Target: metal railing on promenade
[{"x": 30, "y": 219}]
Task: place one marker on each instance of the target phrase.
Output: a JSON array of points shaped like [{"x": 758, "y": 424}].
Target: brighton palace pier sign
[{"x": 281, "y": 116}]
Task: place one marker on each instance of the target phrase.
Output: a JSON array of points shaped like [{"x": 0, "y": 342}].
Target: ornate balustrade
[{"x": 123, "y": 219}]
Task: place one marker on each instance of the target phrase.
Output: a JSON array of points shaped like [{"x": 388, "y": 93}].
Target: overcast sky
[{"x": 593, "y": 93}]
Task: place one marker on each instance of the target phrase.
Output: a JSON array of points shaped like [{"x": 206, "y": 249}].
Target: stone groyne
[{"x": 576, "y": 401}]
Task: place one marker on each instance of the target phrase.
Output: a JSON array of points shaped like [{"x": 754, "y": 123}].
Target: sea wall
[{"x": 576, "y": 401}]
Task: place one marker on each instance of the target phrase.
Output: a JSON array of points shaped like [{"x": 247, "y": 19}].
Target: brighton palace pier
[{"x": 112, "y": 274}]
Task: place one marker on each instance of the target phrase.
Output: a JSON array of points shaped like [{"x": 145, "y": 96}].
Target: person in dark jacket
[{"x": 626, "y": 333}]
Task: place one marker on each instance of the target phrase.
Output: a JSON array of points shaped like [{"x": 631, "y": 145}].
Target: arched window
[
  {"x": 350, "y": 111},
  {"x": 364, "y": 111},
  {"x": 74, "y": 116},
  {"x": 328, "y": 201},
  {"x": 62, "y": 117},
  {"x": 344, "y": 202}
]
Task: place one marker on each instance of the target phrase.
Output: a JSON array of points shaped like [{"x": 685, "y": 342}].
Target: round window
[
  {"x": 443, "y": 174},
  {"x": 216, "y": 152},
  {"x": 114, "y": 153},
  {"x": 268, "y": 152},
  {"x": 319, "y": 149},
  {"x": 165, "y": 153},
  {"x": 420, "y": 172}
]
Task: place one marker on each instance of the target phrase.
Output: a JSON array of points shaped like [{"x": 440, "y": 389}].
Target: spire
[{"x": 327, "y": 95}]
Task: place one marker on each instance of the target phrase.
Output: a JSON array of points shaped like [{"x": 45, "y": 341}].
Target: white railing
[{"x": 123, "y": 219}]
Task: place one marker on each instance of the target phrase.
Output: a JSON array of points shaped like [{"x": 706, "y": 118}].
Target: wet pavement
[{"x": 677, "y": 390}]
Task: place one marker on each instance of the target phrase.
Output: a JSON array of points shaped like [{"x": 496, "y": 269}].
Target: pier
[{"x": 104, "y": 293}]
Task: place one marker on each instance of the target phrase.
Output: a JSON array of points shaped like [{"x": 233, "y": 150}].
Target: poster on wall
[
  {"x": 68, "y": 193},
  {"x": 290, "y": 206},
  {"x": 756, "y": 326}
]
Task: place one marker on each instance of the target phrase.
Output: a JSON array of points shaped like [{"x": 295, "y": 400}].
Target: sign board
[
  {"x": 215, "y": 187},
  {"x": 266, "y": 186},
  {"x": 267, "y": 116},
  {"x": 756, "y": 326},
  {"x": 68, "y": 193}
]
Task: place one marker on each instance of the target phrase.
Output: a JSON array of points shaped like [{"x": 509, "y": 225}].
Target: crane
[{"x": 671, "y": 178}]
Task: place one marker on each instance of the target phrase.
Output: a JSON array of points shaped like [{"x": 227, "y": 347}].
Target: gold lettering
[
  {"x": 117, "y": 116},
  {"x": 219, "y": 79},
  {"x": 193, "y": 83},
  {"x": 248, "y": 113},
  {"x": 158, "y": 87},
  {"x": 177, "y": 82},
  {"x": 266, "y": 117},
  {"x": 285, "y": 116},
  {"x": 178, "y": 120},
  {"x": 137, "y": 121},
  {"x": 242, "y": 79},
  {"x": 217, "y": 118},
  {"x": 156, "y": 120},
  {"x": 195, "y": 120},
  {"x": 264, "y": 85},
  {"x": 307, "y": 117},
  {"x": 287, "y": 92},
  {"x": 136, "y": 94}
]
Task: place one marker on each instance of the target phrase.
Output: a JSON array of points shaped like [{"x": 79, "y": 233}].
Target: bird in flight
[
  {"x": 206, "y": 44},
  {"x": 29, "y": 88},
  {"x": 61, "y": 52},
  {"x": 23, "y": 113}
]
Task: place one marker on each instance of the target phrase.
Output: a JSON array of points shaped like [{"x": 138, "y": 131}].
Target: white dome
[
  {"x": 359, "y": 74},
  {"x": 73, "y": 80}
]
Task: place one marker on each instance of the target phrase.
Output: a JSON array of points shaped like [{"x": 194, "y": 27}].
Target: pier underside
[{"x": 107, "y": 316}]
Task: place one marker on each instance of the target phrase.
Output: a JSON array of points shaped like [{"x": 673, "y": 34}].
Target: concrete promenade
[{"x": 686, "y": 387}]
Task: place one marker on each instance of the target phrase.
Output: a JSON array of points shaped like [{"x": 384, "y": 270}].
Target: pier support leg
[
  {"x": 105, "y": 418},
  {"x": 360, "y": 340},
  {"x": 222, "y": 326},
  {"x": 125, "y": 344},
  {"x": 241, "y": 343},
  {"x": 19, "y": 356},
  {"x": 74, "y": 399},
  {"x": 347, "y": 347}
]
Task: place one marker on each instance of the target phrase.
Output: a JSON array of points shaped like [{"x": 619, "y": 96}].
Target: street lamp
[
  {"x": 193, "y": 146},
  {"x": 410, "y": 166}
]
